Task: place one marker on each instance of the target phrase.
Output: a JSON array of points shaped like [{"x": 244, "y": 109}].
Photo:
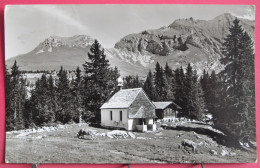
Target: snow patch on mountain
[
  {"x": 38, "y": 52},
  {"x": 130, "y": 57},
  {"x": 74, "y": 41}
]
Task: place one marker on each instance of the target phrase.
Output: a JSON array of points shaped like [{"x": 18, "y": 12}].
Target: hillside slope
[
  {"x": 185, "y": 41},
  {"x": 71, "y": 52}
]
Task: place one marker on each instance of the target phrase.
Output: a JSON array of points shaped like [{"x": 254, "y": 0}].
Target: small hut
[{"x": 166, "y": 109}]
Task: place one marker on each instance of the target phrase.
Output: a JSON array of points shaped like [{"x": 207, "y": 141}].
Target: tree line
[
  {"x": 53, "y": 100},
  {"x": 229, "y": 95}
]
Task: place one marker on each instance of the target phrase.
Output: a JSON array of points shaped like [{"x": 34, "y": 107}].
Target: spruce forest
[{"x": 229, "y": 95}]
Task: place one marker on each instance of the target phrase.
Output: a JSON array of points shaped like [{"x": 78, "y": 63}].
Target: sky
[{"x": 28, "y": 25}]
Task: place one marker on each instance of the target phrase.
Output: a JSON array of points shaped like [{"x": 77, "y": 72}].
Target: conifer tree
[
  {"x": 41, "y": 96},
  {"x": 132, "y": 81},
  {"x": 168, "y": 72},
  {"x": 14, "y": 83},
  {"x": 197, "y": 98},
  {"x": 52, "y": 98},
  {"x": 213, "y": 97},
  {"x": 16, "y": 98},
  {"x": 170, "y": 78},
  {"x": 180, "y": 89},
  {"x": 188, "y": 91},
  {"x": 64, "y": 112},
  {"x": 205, "y": 84},
  {"x": 194, "y": 105},
  {"x": 9, "y": 117},
  {"x": 238, "y": 80},
  {"x": 149, "y": 87},
  {"x": 28, "y": 114},
  {"x": 136, "y": 81},
  {"x": 128, "y": 82},
  {"x": 51, "y": 87},
  {"x": 158, "y": 81},
  {"x": 96, "y": 81},
  {"x": 161, "y": 85},
  {"x": 40, "y": 109},
  {"x": 77, "y": 96},
  {"x": 114, "y": 74}
]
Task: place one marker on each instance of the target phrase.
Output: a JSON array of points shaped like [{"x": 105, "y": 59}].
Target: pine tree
[
  {"x": 205, "y": 84},
  {"x": 16, "y": 98},
  {"x": 168, "y": 71},
  {"x": 238, "y": 80},
  {"x": 128, "y": 82},
  {"x": 213, "y": 94},
  {"x": 52, "y": 99},
  {"x": 32, "y": 112},
  {"x": 28, "y": 114},
  {"x": 160, "y": 83},
  {"x": 197, "y": 98},
  {"x": 40, "y": 96},
  {"x": 64, "y": 111},
  {"x": 180, "y": 89},
  {"x": 14, "y": 83},
  {"x": 149, "y": 87},
  {"x": 96, "y": 81},
  {"x": 188, "y": 84},
  {"x": 136, "y": 82},
  {"x": 194, "y": 105},
  {"x": 42, "y": 104},
  {"x": 248, "y": 85},
  {"x": 41, "y": 108},
  {"x": 187, "y": 92},
  {"x": 171, "y": 85},
  {"x": 114, "y": 74},
  {"x": 77, "y": 95},
  {"x": 132, "y": 81},
  {"x": 8, "y": 89}
]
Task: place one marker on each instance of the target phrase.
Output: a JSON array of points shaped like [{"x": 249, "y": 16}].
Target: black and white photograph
[{"x": 130, "y": 83}]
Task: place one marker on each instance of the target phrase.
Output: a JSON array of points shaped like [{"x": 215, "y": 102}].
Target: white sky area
[{"x": 28, "y": 25}]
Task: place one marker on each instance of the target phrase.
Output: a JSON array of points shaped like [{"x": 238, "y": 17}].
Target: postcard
[{"x": 130, "y": 83}]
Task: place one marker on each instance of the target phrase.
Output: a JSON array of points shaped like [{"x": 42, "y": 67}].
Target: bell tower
[{"x": 120, "y": 83}]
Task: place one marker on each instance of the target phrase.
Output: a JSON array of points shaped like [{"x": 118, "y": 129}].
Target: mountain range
[{"x": 184, "y": 41}]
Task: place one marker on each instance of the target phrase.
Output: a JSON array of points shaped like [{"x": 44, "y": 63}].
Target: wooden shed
[{"x": 166, "y": 109}]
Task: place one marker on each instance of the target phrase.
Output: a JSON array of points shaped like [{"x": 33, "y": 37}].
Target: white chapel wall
[{"x": 115, "y": 122}]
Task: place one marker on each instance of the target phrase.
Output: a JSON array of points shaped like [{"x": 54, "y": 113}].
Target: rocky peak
[
  {"x": 185, "y": 40},
  {"x": 74, "y": 41},
  {"x": 225, "y": 16}
]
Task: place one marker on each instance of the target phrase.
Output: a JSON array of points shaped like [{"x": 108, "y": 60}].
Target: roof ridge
[
  {"x": 162, "y": 101},
  {"x": 133, "y": 89},
  {"x": 128, "y": 93},
  {"x": 135, "y": 95},
  {"x": 148, "y": 98}
]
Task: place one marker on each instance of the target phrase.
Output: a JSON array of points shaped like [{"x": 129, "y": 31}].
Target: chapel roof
[
  {"x": 122, "y": 99},
  {"x": 163, "y": 105}
]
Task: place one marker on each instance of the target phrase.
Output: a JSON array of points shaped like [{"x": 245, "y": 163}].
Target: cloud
[
  {"x": 61, "y": 15},
  {"x": 37, "y": 22},
  {"x": 246, "y": 12}
]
